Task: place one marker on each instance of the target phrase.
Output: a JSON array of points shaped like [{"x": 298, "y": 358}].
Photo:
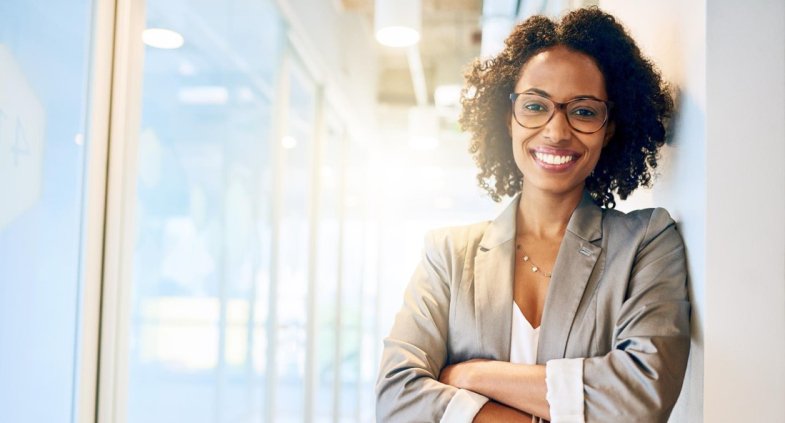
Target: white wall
[
  {"x": 723, "y": 180},
  {"x": 672, "y": 34},
  {"x": 745, "y": 224}
]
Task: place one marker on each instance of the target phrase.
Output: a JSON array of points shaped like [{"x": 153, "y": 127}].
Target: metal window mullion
[
  {"x": 313, "y": 216},
  {"x": 220, "y": 371},
  {"x": 361, "y": 308},
  {"x": 372, "y": 276},
  {"x": 125, "y": 113},
  {"x": 250, "y": 335},
  {"x": 339, "y": 276},
  {"x": 377, "y": 330},
  {"x": 279, "y": 121},
  {"x": 84, "y": 407}
]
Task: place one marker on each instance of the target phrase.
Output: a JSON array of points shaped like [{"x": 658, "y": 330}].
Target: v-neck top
[{"x": 524, "y": 338}]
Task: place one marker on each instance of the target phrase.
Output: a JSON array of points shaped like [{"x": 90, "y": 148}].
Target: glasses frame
[{"x": 562, "y": 107}]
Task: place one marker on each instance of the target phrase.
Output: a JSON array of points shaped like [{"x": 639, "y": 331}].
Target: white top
[
  {"x": 524, "y": 338},
  {"x": 564, "y": 379}
]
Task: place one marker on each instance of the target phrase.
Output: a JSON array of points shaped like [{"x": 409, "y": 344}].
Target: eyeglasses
[{"x": 585, "y": 115}]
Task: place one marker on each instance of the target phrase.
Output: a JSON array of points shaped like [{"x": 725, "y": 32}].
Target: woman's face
[{"x": 555, "y": 158}]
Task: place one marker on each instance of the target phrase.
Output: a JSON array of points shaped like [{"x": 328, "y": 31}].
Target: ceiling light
[
  {"x": 162, "y": 38},
  {"x": 288, "y": 142},
  {"x": 203, "y": 95},
  {"x": 397, "y": 22}
]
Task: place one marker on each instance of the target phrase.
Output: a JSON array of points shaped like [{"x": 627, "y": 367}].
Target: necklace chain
[{"x": 534, "y": 267}]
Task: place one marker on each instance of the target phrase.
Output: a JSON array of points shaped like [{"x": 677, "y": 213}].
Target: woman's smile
[{"x": 554, "y": 159}]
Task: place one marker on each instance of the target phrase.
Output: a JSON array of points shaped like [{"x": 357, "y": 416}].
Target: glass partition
[
  {"x": 202, "y": 226},
  {"x": 297, "y": 153},
  {"x": 328, "y": 271},
  {"x": 44, "y": 76}
]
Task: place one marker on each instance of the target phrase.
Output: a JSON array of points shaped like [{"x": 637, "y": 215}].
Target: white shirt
[
  {"x": 564, "y": 379},
  {"x": 524, "y": 338}
]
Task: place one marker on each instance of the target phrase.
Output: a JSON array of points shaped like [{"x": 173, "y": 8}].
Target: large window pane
[
  {"x": 354, "y": 273},
  {"x": 327, "y": 272},
  {"x": 202, "y": 242},
  {"x": 44, "y": 62},
  {"x": 297, "y": 165}
]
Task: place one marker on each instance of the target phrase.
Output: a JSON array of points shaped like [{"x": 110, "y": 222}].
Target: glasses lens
[
  {"x": 586, "y": 115},
  {"x": 533, "y": 111}
]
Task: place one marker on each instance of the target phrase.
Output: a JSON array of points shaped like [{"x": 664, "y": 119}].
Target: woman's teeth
[{"x": 553, "y": 159}]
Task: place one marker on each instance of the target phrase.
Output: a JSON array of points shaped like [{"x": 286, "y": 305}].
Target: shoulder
[
  {"x": 452, "y": 244},
  {"x": 642, "y": 227},
  {"x": 453, "y": 238}
]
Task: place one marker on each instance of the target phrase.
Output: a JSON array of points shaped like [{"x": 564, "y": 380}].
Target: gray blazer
[{"x": 617, "y": 297}]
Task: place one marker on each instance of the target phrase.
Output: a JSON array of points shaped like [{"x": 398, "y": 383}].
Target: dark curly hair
[{"x": 642, "y": 103}]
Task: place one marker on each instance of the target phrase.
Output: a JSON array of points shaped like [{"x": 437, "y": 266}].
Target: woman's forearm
[
  {"x": 517, "y": 385},
  {"x": 493, "y": 412}
]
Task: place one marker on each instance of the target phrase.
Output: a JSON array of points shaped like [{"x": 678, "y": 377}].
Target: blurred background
[{"x": 209, "y": 209}]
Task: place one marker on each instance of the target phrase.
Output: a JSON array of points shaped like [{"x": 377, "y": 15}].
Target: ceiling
[{"x": 450, "y": 39}]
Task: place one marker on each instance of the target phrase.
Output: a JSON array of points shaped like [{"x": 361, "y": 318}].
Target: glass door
[
  {"x": 202, "y": 228},
  {"x": 45, "y": 57}
]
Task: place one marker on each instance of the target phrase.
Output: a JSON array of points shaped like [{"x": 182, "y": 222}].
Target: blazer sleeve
[
  {"x": 641, "y": 377},
  {"x": 408, "y": 389}
]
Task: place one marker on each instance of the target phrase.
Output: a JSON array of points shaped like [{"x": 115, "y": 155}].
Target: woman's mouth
[{"x": 555, "y": 160}]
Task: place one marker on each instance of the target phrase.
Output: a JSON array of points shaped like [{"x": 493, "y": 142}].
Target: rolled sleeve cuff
[
  {"x": 463, "y": 406},
  {"x": 564, "y": 379}
]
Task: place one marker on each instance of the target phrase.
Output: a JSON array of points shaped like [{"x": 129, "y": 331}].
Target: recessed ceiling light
[
  {"x": 397, "y": 22},
  {"x": 289, "y": 142},
  {"x": 397, "y": 36},
  {"x": 162, "y": 38}
]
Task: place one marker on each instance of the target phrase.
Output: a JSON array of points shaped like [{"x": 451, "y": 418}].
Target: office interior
[{"x": 209, "y": 209}]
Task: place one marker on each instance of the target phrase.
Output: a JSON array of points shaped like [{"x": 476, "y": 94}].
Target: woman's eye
[
  {"x": 534, "y": 107},
  {"x": 583, "y": 112}
]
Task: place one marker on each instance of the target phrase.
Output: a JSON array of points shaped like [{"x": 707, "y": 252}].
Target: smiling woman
[
  {"x": 557, "y": 151},
  {"x": 561, "y": 308}
]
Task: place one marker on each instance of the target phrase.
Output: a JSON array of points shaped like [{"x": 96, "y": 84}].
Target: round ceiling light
[
  {"x": 162, "y": 38},
  {"x": 397, "y": 22},
  {"x": 397, "y": 36}
]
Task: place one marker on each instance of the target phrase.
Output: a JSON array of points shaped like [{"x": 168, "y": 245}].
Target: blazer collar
[
  {"x": 575, "y": 264},
  {"x": 586, "y": 222},
  {"x": 501, "y": 229},
  {"x": 494, "y": 272}
]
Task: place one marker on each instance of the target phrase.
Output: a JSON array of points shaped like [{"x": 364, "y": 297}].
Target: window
[
  {"x": 294, "y": 238},
  {"x": 43, "y": 103},
  {"x": 201, "y": 261}
]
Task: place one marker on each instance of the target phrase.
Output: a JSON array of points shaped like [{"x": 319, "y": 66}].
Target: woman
[{"x": 562, "y": 308}]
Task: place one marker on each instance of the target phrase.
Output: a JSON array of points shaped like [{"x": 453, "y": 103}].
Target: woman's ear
[
  {"x": 609, "y": 132},
  {"x": 509, "y": 123}
]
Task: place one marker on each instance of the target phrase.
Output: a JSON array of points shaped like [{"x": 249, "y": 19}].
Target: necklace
[{"x": 534, "y": 267}]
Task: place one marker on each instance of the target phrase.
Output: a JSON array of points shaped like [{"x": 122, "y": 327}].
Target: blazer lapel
[
  {"x": 493, "y": 283},
  {"x": 574, "y": 265}
]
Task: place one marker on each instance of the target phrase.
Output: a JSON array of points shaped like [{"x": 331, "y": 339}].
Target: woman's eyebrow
[
  {"x": 538, "y": 92},
  {"x": 546, "y": 95}
]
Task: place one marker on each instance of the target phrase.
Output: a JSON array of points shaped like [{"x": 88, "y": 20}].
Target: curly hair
[{"x": 642, "y": 103}]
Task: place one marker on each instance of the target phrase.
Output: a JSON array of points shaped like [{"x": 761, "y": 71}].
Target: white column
[{"x": 745, "y": 222}]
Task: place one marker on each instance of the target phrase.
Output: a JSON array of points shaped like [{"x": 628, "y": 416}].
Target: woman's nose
[{"x": 558, "y": 128}]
